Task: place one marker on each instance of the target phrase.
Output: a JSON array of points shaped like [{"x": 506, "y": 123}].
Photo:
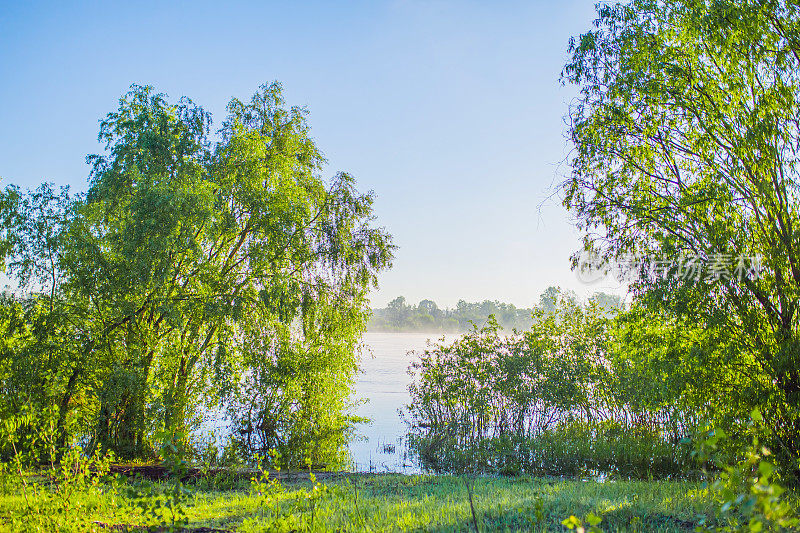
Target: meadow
[{"x": 361, "y": 502}]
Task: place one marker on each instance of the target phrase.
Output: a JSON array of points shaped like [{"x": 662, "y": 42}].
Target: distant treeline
[{"x": 427, "y": 316}]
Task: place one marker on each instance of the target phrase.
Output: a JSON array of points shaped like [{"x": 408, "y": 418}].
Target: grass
[{"x": 392, "y": 503}]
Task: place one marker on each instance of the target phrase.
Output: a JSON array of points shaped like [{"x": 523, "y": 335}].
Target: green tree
[
  {"x": 686, "y": 140},
  {"x": 190, "y": 270},
  {"x": 43, "y": 336},
  {"x": 552, "y": 297},
  {"x": 9, "y": 198}
]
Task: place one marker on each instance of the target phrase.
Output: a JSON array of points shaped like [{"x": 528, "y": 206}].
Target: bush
[
  {"x": 547, "y": 401},
  {"x": 748, "y": 488}
]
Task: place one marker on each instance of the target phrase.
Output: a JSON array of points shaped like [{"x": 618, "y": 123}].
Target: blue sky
[{"x": 451, "y": 112}]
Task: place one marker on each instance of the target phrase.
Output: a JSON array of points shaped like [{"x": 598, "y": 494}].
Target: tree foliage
[
  {"x": 568, "y": 396},
  {"x": 195, "y": 272},
  {"x": 686, "y": 144}
]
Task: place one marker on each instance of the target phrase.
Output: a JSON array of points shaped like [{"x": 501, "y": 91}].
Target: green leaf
[{"x": 765, "y": 468}]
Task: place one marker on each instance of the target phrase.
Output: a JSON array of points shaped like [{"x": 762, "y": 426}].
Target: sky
[{"x": 451, "y": 112}]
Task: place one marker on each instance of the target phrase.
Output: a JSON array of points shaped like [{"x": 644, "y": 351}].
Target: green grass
[{"x": 401, "y": 503}]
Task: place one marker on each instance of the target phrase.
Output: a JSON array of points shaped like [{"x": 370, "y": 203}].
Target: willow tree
[
  {"x": 686, "y": 142},
  {"x": 192, "y": 267}
]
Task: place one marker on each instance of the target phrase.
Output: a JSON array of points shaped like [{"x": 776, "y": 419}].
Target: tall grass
[{"x": 608, "y": 449}]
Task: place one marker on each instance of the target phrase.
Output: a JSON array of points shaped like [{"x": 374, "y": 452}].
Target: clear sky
[{"x": 451, "y": 112}]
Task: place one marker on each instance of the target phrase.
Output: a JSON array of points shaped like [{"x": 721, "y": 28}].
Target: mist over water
[{"x": 384, "y": 383}]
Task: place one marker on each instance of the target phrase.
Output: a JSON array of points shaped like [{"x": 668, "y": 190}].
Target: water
[{"x": 384, "y": 383}]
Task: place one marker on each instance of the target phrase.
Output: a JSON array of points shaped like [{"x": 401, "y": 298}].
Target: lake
[{"x": 384, "y": 384}]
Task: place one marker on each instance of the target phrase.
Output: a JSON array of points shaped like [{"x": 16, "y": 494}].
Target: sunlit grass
[{"x": 413, "y": 503}]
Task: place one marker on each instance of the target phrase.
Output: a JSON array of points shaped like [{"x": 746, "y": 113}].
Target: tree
[
  {"x": 398, "y": 311},
  {"x": 608, "y": 302},
  {"x": 9, "y": 199},
  {"x": 686, "y": 143},
  {"x": 429, "y": 306},
  {"x": 191, "y": 270},
  {"x": 552, "y": 297}
]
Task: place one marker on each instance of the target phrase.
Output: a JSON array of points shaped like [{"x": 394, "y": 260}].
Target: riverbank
[{"x": 368, "y": 502}]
